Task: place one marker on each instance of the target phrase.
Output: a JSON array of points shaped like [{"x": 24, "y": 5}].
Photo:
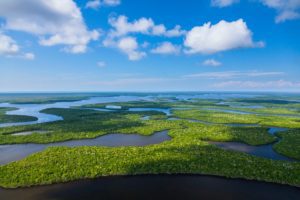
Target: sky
[{"x": 149, "y": 45}]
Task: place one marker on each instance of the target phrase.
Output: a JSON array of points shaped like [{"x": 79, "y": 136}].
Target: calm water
[
  {"x": 10, "y": 153},
  {"x": 156, "y": 187},
  {"x": 265, "y": 151},
  {"x": 34, "y": 109}
]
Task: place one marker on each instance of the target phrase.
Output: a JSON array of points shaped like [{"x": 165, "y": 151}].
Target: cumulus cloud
[
  {"x": 95, "y": 4},
  {"x": 129, "y": 46},
  {"x": 166, "y": 48},
  {"x": 8, "y": 46},
  {"x": 223, "y": 3},
  {"x": 223, "y": 36},
  {"x": 287, "y": 9},
  {"x": 161, "y": 30},
  {"x": 121, "y": 26},
  {"x": 212, "y": 62},
  {"x": 233, "y": 74},
  {"x": 55, "y": 22}
]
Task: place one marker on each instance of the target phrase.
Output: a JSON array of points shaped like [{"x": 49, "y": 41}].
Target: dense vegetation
[
  {"x": 228, "y": 118},
  {"x": 189, "y": 151},
  {"x": 79, "y": 124},
  {"x": 186, "y": 153},
  {"x": 13, "y": 118},
  {"x": 290, "y": 143}
]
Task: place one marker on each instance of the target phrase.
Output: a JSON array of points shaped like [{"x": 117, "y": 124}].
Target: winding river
[
  {"x": 14, "y": 152},
  {"x": 265, "y": 151},
  {"x": 34, "y": 109},
  {"x": 9, "y": 153},
  {"x": 138, "y": 187}
]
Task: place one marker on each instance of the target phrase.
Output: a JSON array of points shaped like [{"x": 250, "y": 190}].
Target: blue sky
[{"x": 150, "y": 45}]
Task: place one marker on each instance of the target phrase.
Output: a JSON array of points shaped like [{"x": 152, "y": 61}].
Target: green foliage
[
  {"x": 227, "y": 118},
  {"x": 290, "y": 143},
  {"x": 13, "y": 118},
  {"x": 221, "y": 133},
  {"x": 188, "y": 152},
  {"x": 84, "y": 123},
  {"x": 126, "y": 105}
]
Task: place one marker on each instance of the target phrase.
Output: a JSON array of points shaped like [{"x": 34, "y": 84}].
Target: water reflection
[
  {"x": 149, "y": 187},
  {"x": 265, "y": 151},
  {"x": 9, "y": 153}
]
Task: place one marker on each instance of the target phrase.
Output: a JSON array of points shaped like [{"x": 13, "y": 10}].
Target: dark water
[
  {"x": 10, "y": 153},
  {"x": 156, "y": 187},
  {"x": 274, "y": 130},
  {"x": 265, "y": 151}
]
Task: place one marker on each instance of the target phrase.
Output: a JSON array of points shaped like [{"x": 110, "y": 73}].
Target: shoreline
[{"x": 150, "y": 175}]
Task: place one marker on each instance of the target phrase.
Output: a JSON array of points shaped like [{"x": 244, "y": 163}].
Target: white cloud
[
  {"x": 287, "y": 9},
  {"x": 129, "y": 46},
  {"x": 121, "y": 27},
  {"x": 161, "y": 30},
  {"x": 166, "y": 48},
  {"x": 233, "y": 74},
  {"x": 7, "y": 45},
  {"x": 260, "y": 85},
  {"x": 10, "y": 48},
  {"x": 212, "y": 62},
  {"x": 223, "y": 36},
  {"x": 175, "y": 32},
  {"x": 101, "y": 64},
  {"x": 223, "y": 3},
  {"x": 29, "y": 56},
  {"x": 95, "y": 4},
  {"x": 55, "y": 22},
  {"x": 111, "y": 2}
]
